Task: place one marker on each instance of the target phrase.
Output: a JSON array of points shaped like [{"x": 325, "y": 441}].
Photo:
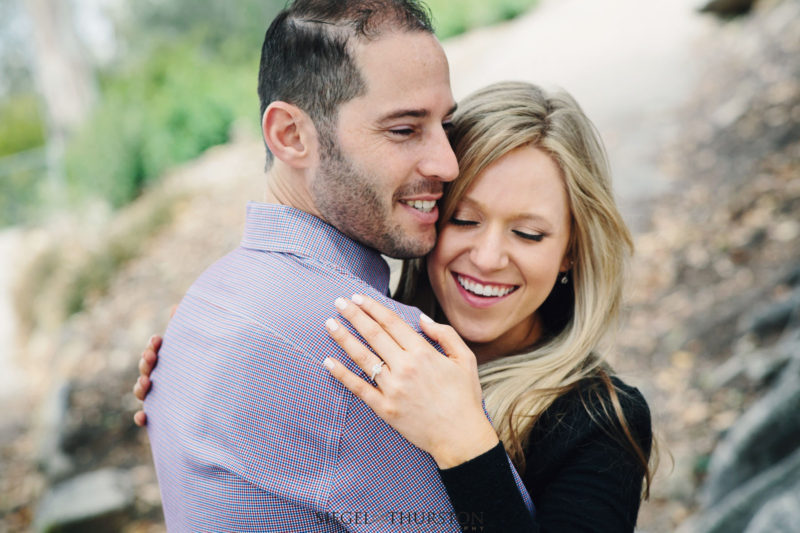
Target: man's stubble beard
[{"x": 348, "y": 199}]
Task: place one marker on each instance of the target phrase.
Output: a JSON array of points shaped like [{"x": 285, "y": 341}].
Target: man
[{"x": 248, "y": 430}]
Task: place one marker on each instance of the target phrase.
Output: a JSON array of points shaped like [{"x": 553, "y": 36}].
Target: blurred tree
[
  {"x": 65, "y": 79},
  {"x": 14, "y": 50}
]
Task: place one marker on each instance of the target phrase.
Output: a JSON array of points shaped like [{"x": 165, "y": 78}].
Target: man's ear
[{"x": 290, "y": 134}]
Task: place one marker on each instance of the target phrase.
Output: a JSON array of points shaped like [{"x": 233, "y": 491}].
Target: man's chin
[{"x": 410, "y": 245}]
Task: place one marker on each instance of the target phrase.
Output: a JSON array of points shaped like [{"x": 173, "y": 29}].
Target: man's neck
[{"x": 286, "y": 189}]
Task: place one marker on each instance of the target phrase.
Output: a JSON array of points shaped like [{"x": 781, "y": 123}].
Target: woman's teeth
[
  {"x": 426, "y": 206},
  {"x": 484, "y": 290}
]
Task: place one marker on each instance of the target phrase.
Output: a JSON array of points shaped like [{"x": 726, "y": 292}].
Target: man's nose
[
  {"x": 440, "y": 161},
  {"x": 488, "y": 251}
]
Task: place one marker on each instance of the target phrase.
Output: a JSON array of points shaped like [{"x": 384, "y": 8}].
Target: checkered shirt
[{"x": 248, "y": 431}]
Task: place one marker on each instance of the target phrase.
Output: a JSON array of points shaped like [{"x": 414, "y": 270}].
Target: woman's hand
[
  {"x": 432, "y": 400},
  {"x": 147, "y": 362}
]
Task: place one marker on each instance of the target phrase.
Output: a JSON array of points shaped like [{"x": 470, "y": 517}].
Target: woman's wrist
[{"x": 461, "y": 448}]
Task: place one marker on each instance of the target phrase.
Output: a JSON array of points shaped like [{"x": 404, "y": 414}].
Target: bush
[
  {"x": 21, "y": 176},
  {"x": 21, "y": 126},
  {"x": 452, "y": 18},
  {"x": 165, "y": 111}
]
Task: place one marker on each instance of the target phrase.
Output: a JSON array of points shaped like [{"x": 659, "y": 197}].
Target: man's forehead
[{"x": 406, "y": 74}]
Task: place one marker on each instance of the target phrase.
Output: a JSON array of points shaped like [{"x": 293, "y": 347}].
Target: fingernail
[
  {"x": 152, "y": 340},
  {"x": 328, "y": 362},
  {"x": 331, "y": 324},
  {"x": 357, "y": 299},
  {"x": 425, "y": 318},
  {"x": 341, "y": 303}
]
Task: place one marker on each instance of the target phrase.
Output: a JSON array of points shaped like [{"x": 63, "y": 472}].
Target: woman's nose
[{"x": 488, "y": 252}]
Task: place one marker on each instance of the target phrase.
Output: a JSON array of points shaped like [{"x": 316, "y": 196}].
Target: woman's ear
[
  {"x": 566, "y": 263},
  {"x": 290, "y": 134}
]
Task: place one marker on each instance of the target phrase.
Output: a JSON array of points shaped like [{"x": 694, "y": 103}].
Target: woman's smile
[{"x": 479, "y": 293}]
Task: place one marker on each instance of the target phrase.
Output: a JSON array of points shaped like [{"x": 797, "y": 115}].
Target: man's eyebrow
[{"x": 413, "y": 113}]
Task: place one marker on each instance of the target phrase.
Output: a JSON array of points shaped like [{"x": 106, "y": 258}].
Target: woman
[{"x": 528, "y": 270}]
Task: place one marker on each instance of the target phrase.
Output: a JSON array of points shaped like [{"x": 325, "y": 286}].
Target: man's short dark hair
[{"x": 306, "y": 56}]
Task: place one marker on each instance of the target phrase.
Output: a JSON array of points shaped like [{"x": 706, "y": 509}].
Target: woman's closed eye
[
  {"x": 537, "y": 237},
  {"x": 462, "y": 222}
]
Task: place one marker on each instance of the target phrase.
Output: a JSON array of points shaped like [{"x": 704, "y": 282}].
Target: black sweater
[{"x": 580, "y": 477}]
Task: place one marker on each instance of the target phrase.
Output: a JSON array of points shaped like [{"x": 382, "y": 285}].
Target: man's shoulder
[{"x": 282, "y": 291}]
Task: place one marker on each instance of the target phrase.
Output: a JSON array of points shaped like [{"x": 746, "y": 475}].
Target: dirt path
[{"x": 629, "y": 63}]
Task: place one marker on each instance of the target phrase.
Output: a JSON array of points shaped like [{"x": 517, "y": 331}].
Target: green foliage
[
  {"x": 233, "y": 33},
  {"x": 21, "y": 126},
  {"x": 452, "y": 18},
  {"x": 21, "y": 132},
  {"x": 159, "y": 113}
]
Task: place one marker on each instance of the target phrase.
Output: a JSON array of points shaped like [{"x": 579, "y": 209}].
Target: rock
[
  {"x": 739, "y": 508},
  {"x": 779, "y": 515},
  {"x": 793, "y": 277},
  {"x": 767, "y": 432},
  {"x": 774, "y": 317},
  {"x": 97, "y": 501},
  {"x": 728, "y": 8},
  {"x": 52, "y": 418}
]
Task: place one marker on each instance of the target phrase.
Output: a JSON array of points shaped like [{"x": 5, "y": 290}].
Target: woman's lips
[{"x": 480, "y": 293}]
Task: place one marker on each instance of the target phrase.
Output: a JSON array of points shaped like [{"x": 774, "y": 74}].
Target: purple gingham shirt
[{"x": 248, "y": 431}]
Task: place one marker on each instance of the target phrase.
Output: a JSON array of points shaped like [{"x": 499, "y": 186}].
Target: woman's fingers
[
  {"x": 155, "y": 342},
  {"x": 450, "y": 341},
  {"x": 140, "y": 418},
  {"x": 149, "y": 356},
  {"x": 403, "y": 334},
  {"x": 369, "y": 394},
  {"x": 141, "y": 387},
  {"x": 359, "y": 353},
  {"x": 147, "y": 361},
  {"x": 372, "y": 332}
]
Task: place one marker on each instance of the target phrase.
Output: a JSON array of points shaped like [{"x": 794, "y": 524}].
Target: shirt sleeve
[
  {"x": 581, "y": 478},
  {"x": 485, "y": 496}
]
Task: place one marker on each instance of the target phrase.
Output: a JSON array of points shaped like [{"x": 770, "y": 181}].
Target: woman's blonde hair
[{"x": 576, "y": 316}]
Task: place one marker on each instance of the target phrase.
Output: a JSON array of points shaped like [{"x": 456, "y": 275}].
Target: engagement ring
[{"x": 376, "y": 369}]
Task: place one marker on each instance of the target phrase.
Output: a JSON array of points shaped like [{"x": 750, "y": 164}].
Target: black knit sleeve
[
  {"x": 580, "y": 475},
  {"x": 485, "y": 496}
]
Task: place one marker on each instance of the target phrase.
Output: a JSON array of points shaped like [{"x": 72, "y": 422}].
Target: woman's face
[{"x": 500, "y": 254}]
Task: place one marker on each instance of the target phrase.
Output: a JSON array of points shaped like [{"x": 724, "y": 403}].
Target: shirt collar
[{"x": 280, "y": 228}]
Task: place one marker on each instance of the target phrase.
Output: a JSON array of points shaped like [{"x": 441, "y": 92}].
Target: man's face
[{"x": 381, "y": 173}]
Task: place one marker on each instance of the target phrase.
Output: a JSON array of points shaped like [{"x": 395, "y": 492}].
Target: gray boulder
[
  {"x": 767, "y": 433},
  {"x": 50, "y": 425},
  {"x": 744, "y": 502},
  {"x": 779, "y": 515},
  {"x": 97, "y": 501},
  {"x": 728, "y": 8}
]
